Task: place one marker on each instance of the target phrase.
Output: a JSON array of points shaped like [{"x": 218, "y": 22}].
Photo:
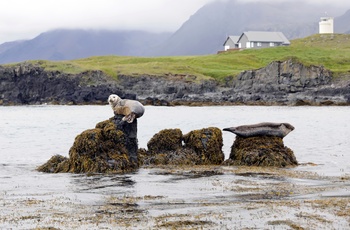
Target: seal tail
[{"x": 129, "y": 118}]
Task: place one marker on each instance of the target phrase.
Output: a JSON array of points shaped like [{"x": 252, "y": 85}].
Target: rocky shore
[{"x": 279, "y": 83}]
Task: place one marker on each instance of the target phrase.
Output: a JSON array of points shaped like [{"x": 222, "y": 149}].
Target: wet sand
[{"x": 206, "y": 197}]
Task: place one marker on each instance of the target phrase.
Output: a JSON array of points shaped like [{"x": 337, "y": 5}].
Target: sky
[{"x": 25, "y": 19}]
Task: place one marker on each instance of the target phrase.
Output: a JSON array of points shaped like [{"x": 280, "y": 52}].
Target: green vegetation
[{"x": 331, "y": 51}]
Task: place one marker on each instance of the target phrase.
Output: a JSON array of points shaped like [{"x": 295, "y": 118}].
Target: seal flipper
[
  {"x": 129, "y": 118},
  {"x": 231, "y": 129}
]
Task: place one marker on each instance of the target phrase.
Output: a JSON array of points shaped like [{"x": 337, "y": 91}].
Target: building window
[
  {"x": 258, "y": 44},
  {"x": 272, "y": 44}
]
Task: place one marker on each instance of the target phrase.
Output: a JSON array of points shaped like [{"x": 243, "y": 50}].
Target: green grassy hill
[{"x": 331, "y": 51}]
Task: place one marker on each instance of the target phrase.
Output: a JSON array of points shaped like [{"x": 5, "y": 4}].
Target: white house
[
  {"x": 231, "y": 42},
  {"x": 262, "y": 39},
  {"x": 258, "y": 39}
]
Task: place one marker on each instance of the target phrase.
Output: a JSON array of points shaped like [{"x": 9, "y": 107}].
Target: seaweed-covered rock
[
  {"x": 111, "y": 147},
  {"x": 181, "y": 156},
  {"x": 165, "y": 140},
  {"x": 207, "y": 143},
  {"x": 261, "y": 151},
  {"x": 55, "y": 164},
  {"x": 201, "y": 147}
]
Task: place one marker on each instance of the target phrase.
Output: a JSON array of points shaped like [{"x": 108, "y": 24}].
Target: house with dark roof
[{"x": 256, "y": 39}]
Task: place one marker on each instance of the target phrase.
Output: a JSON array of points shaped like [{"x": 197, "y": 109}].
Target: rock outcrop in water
[
  {"x": 171, "y": 147},
  {"x": 261, "y": 151},
  {"x": 111, "y": 147},
  {"x": 261, "y": 145},
  {"x": 279, "y": 83}
]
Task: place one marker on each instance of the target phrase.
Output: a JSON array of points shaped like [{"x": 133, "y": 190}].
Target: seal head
[
  {"x": 262, "y": 129},
  {"x": 131, "y": 109}
]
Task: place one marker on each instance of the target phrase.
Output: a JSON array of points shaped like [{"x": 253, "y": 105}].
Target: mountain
[
  {"x": 341, "y": 24},
  {"x": 8, "y": 45},
  {"x": 73, "y": 44}
]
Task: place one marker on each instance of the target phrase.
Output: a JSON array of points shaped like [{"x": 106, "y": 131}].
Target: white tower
[{"x": 326, "y": 25}]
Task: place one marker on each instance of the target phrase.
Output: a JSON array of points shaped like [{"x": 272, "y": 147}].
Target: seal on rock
[
  {"x": 131, "y": 109},
  {"x": 262, "y": 129}
]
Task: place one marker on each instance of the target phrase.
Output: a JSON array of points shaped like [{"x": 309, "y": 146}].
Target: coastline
[{"x": 287, "y": 83}]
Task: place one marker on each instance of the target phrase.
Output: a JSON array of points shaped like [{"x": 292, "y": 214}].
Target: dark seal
[{"x": 262, "y": 129}]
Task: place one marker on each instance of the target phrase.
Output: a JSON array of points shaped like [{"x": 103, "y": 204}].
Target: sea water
[{"x": 30, "y": 135}]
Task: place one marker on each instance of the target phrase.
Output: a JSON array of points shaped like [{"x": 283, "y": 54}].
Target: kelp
[
  {"x": 198, "y": 147},
  {"x": 105, "y": 149},
  {"x": 207, "y": 143}
]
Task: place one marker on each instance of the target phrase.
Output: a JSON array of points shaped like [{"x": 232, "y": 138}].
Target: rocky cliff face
[
  {"x": 280, "y": 83},
  {"x": 287, "y": 82},
  {"x": 28, "y": 84}
]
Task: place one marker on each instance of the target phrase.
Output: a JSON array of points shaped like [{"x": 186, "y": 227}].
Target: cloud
[
  {"x": 27, "y": 18},
  {"x": 335, "y": 3}
]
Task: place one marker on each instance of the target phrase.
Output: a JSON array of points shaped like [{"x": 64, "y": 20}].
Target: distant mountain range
[
  {"x": 73, "y": 44},
  {"x": 203, "y": 33}
]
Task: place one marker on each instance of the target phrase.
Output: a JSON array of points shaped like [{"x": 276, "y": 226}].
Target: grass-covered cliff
[{"x": 331, "y": 51}]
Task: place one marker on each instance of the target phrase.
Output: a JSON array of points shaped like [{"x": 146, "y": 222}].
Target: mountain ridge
[{"x": 67, "y": 44}]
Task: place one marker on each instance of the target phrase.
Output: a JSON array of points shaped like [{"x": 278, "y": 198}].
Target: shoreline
[
  {"x": 289, "y": 83},
  {"x": 195, "y": 104}
]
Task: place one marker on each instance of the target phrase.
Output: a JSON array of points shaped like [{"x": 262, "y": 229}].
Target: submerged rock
[
  {"x": 111, "y": 147},
  {"x": 201, "y": 147},
  {"x": 261, "y": 151},
  {"x": 55, "y": 164}
]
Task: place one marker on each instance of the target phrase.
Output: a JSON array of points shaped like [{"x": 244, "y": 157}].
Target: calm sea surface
[{"x": 30, "y": 135}]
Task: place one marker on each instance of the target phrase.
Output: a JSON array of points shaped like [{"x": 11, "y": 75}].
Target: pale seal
[
  {"x": 131, "y": 109},
  {"x": 262, "y": 129}
]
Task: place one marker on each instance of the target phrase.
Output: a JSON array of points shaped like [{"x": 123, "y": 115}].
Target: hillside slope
[{"x": 331, "y": 51}]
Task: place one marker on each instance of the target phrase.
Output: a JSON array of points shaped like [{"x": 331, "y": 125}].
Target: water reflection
[{"x": 106, "y": 184}]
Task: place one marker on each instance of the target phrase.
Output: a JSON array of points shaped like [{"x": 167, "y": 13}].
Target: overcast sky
[{"x": 25, "y": 19}]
